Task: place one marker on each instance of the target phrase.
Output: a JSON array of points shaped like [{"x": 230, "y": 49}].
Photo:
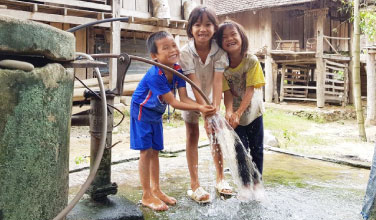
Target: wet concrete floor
[{"x": 295, "y": 188}]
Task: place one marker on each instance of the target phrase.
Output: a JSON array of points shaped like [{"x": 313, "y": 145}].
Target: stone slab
[{"x": 26, "y": 37}]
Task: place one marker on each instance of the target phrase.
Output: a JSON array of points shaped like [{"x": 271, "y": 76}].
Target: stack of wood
[{"x": 130, "y": 84}]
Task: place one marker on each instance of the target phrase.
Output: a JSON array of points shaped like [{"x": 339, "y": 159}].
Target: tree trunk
[{"x": 356, "y": 73}]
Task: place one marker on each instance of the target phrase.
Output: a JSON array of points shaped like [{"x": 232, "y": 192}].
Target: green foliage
[
  {"x": 292, "y": 130},
  {"x": 340, "y": 75},
  {"x": 174, "y": 120},
  {"x": 367, "y": 24},
  {"x": 367, "y": 17},
  {"x": 81, "y": 159}
]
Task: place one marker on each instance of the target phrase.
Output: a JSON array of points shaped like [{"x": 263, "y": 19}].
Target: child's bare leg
[
  {"x": 148, "y": 199},
  {"x": 218, "y": 162},
  {"x": 154, "y": 174},
  {"x": 193, "y": 132}
]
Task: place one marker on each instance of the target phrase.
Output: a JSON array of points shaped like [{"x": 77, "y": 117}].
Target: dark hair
[
  {"x": 239, "y": 28},
  {"x": 150, "y": 42},
  {"x": 197, "y": 14}
]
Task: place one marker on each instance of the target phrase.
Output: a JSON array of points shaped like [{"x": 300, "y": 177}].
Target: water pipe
[
  {"x": 97, "y": 22},
  {"x": 98, "y": 159},
  {"x": 176, "y": 73},
  {"x": 206, "y": 99}
]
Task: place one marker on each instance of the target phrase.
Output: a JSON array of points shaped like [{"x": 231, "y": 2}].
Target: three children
[{"x": 204, "y": 62}]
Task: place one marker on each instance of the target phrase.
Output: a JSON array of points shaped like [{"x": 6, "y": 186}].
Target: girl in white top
[{"x": 204, "y": 63}]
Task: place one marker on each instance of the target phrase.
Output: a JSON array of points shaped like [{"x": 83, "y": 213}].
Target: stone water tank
[{"x": 35, "y": 112}]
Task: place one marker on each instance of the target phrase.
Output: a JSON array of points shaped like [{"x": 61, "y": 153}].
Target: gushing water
[{"x": 238, "y": 158}]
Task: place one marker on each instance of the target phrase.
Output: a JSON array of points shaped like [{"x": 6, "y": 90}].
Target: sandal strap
[
  {"x": 200, "y": 192},
  {"x": 223, "y": 185}
]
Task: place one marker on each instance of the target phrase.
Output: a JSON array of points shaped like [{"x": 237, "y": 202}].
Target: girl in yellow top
[{"x": 242, "y": 84}]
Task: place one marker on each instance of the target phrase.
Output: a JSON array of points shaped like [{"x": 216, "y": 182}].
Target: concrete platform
[{"x": 114, "y": 208}]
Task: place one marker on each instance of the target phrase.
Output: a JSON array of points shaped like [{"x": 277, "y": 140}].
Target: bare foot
[
  {"x": 154, "y": 203},
  {"x": 165, "y": 198}
]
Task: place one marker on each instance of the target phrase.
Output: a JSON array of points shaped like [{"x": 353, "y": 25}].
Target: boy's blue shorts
[{"x": 146, "y": 135}]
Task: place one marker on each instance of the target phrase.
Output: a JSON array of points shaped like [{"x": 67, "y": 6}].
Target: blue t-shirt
[{"x": 147, "y": 104}]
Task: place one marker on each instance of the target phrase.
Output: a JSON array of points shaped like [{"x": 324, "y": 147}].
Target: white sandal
[
  {"x": 198, "y": 194},
  {"x": 222, "y": 186}
]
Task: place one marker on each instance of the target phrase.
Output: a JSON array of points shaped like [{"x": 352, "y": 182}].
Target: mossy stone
[{"x": 26, "y": 37}]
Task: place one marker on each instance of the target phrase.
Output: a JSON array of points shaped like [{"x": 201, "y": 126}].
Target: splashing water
[{"x": 243, "y": 170}]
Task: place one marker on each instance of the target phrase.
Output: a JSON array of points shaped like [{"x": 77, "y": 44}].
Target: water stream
[{"x": 238, "y": 159}]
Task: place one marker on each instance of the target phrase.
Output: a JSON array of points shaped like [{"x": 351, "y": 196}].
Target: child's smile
[
  {"x": 168, "y": 52},
  {"x": 203, "y": 30},
  {"x": 231, "y": 40}
]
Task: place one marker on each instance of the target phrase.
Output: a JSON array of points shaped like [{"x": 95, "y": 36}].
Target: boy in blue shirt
[{"x": 148, "y": 104}]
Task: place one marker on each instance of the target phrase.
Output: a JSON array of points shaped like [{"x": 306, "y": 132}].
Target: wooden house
[
  {"x": 303, "y": 44},
  {"x": 116, "y": 37}
]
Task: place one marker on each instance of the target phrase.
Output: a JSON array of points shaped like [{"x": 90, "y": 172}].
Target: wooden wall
[
  {"x": 251, "y": 24},
  {"x": 176, "y": 7},
  {"x": 136, "y": 5},
  {"x": 292, "y": 26}
]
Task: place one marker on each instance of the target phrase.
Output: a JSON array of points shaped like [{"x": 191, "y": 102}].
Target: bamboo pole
[{"x": 356, "y": 73}]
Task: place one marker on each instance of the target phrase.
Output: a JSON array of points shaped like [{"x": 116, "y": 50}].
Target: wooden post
[
  {"x": 346, "y": 85},
  {"x": 114, "y": 42},
  {"x": 80, "y": 47},
  {"x": 282, "y": 92},
  {"x": 275, "y": 87},
  {"x": 351, "y": 64},
  {"x": 371, "y": 85},
  {"x": 90, "y": 48},
  {"x": 320, "y": 69},
  {"x": 266, "y": 19}
]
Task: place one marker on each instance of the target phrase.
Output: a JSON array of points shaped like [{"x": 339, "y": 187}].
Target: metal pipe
[
  {"x": 97, "y": 22},
  {"x": 98, "y": 159},
  {"x": 107, "y": 55}
]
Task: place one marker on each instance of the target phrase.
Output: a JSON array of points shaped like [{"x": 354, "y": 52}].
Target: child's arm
[
  {"x": 217, "y": 89},
  {"x": 170, "y": 99},
  {"x": 234, "y": 120},
  {"x": 184, "y": 98},
  {"x": 228, "y": 100}
]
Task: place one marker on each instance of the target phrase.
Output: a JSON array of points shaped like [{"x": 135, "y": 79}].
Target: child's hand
[
  {"x": 234, "y": 120},
  {"x": 228, "y": 116},
  {"x": 207, "y": 110}
]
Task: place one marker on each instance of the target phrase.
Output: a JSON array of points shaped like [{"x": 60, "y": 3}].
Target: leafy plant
[
  {"x": 367, "y": 17},
  {"x": 81, "y": 159},
  {"x": 340, "y": 75}
]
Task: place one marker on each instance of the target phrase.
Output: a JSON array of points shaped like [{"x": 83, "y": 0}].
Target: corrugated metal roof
[{"x": 234, "y": 6}]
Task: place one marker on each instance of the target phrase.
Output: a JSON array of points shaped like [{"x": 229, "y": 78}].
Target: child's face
[
  {"x": 203, "y": 30},
  {"x": 231, "y": 41},
  {"x": 168, "y": 51}
]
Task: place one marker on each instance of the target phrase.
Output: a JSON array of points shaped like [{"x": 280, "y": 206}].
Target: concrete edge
[
  {"x": 326, "y": 159},
  {"x": 266, "y": 148}
]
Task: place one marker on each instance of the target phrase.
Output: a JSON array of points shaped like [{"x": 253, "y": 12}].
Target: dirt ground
[{"x": 341, "y": 127}]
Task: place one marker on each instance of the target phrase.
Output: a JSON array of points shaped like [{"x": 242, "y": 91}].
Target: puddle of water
[{"x": 295, "y": 188}]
